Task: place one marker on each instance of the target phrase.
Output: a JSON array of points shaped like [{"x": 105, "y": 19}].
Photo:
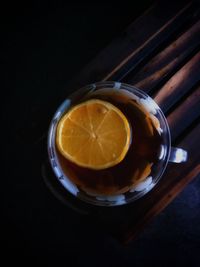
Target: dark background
[{"x": 44, "y": 46}]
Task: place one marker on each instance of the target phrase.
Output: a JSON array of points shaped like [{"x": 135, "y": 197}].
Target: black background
[{"x": 44, "y": 46}]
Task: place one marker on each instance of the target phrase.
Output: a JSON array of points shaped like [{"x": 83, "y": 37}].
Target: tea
[{"x": 142, "y": 156}]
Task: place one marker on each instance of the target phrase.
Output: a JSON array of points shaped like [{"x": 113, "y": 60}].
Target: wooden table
[{"x": 160, "y": 54}]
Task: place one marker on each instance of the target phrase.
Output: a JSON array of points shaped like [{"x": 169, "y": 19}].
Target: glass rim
[{"x": 54, "y": 159}]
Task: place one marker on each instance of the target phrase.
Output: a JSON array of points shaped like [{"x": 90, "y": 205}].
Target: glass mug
[{"x": 166, "y": 152}]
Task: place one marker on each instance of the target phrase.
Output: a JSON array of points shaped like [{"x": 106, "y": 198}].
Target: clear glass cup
[{"x": 167, "y": 153}]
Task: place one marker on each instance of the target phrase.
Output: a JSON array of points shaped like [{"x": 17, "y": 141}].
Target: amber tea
[{"x": 142, "y": 155}]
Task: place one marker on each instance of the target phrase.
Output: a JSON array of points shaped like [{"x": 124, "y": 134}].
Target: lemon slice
[{"x": 94, "y": 134}]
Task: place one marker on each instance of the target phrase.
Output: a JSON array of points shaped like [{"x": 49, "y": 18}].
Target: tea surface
[{"x": 142, "y": 155}]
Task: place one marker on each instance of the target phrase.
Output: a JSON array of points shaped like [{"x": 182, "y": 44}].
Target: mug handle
[{"x": 178, "y": 155}]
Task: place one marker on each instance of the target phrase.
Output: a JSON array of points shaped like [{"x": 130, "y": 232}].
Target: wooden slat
[
  {"x": 179, "y": 84},
  {"x": 149, "y": 43},
  {"x": 159, "y": 67},
  {"x": 151, "y": 29},
  {"x": 183, "y": 116}
]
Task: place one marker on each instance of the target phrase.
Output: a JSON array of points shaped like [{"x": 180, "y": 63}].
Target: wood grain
[
  {"x": 146, "y": 29},
  {"x": 179, "y": 84},
  {"x": 184, "y": 114},
  {"x": 149, "y": 42},
  {"x": 167, "y": 61}
]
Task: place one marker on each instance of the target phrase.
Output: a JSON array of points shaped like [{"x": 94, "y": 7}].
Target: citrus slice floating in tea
[{"x": 94, "y": 134}]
